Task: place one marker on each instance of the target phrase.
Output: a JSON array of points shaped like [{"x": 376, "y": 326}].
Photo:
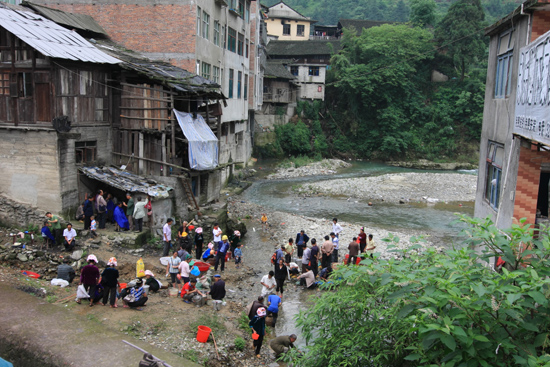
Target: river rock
[
  {"x": 77, "y": 255},
  {"x": 22, "y": 257}
]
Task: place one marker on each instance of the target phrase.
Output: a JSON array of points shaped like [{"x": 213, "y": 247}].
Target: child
[
  {"x": 238, "y": 255},
  {"x": 93, "y": 227},
  {"x": 264, "y": 222}
]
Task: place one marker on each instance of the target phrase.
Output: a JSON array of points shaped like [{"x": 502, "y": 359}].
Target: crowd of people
[{"x": 317, "y": 261}]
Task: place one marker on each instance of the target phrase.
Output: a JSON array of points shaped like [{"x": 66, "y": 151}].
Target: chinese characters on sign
[{"x": 532, "y": 114}]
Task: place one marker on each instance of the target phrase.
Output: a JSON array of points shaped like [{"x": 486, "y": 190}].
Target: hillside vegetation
[
  {"x": 330, "y": 11},
  {"x": 381, "y": 102}
]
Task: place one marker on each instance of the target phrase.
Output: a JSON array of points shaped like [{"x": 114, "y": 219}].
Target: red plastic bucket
[
  {"x": 356, "y": 262},
  {"x": 203, "y": 333}
]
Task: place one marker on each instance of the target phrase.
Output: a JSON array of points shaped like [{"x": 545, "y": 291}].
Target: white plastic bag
[
  {"x": 81, "y": 292},
  {"x": 61, "y": 282},
  {"x": 158, "y": 281}
]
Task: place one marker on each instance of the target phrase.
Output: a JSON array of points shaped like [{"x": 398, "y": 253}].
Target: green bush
[
  {"x": 240, "y": 343},
  {"x": 294, "y": 139},
  {"x": 438, "y": 309}
]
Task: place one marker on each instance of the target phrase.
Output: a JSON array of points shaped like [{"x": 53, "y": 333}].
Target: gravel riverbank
[
  {"x": 402, "y": 187},
  {"x": 283, "y": 226},
  {"x": 324, "y": 167}
]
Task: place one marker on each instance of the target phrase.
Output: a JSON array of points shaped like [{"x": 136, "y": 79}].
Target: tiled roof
[
  {"x": 303, "y": 48},
  {"x": 277, "y": 70},
  {"x": 359, "y": 24}
]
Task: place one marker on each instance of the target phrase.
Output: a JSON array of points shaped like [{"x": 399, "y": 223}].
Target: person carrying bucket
[{"x": 258, "y": 326}]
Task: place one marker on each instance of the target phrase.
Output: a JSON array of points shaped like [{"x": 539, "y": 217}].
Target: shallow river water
[{"x": 436, "y": 220}]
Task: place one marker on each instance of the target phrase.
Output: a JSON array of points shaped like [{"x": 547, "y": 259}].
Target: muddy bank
[
  {"x": 401, "y": 187},
  {"x": 324, "y": 167}
]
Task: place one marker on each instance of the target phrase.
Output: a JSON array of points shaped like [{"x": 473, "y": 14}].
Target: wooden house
[{"x": 67, "y": 103}]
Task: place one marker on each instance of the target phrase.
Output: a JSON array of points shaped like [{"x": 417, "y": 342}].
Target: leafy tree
[
  {"x": 377, "y": 76},
  {"x": 422, "y": 13},
  {"x": 400, "y": 12},
  {"x": 460, "y": 34},
  {"x": 430, "y": 308},
  {"x": 294, "y": 139}
]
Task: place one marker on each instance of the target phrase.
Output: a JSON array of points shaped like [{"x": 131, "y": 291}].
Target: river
[{"x": 276, "y": 195}]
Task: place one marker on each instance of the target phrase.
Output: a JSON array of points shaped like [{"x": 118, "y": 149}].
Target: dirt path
[{"x": 51, "y": 336}]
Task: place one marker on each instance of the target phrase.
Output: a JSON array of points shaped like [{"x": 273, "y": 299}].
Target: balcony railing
[{"x": 280, "y": 95}]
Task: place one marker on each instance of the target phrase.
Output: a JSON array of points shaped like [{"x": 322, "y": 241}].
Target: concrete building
[
  {"x": 514, "y": 165},
  {"x": 286, "y": 24},
  {"x": 279, "y": 96},
  {"x": 307, "y": 61},
  {"x": 212, "y": 38}
]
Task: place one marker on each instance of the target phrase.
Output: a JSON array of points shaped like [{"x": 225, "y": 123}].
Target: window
[
  {"x": 240, "y": 44},
  {"x": 505, "y": 54},
  {"x": 245, "y": 92},
  {"x": 223, "y": 43},
  {"x": 246, "y": 48},
  {"x": 85, "y": 151},
  {"x": 313, "y": 71},
  {"x": 241, "y": 8},
  {"x": 286, "y": 29},
  {"x": 300, "y": 30},
  {"x": 247, "y": 13},
  {"x": 294, "y": 70},
  {"x": 24, "y": 85},
  {"x": 232, "y": 4},
  {"x": 205, "y": 70},
  {"x": 216, "y": 33},
  {"x": 230, "y": 93},
  {"x": 232, "y": 41},
  {"x": 495, "y": 158},
  {"x": 239, "y": 80},
  {"x": 205, "y": 25},
  {"x": 5, "y": 84},
  {"x": 199, "y": 22},
  {"x": 216, "y": 74}
]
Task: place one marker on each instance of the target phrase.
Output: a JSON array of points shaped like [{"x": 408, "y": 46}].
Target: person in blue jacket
[{"x": 301, "y": 242}]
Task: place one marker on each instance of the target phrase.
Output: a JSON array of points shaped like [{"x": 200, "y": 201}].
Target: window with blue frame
[
  {"x": 505, "y": 57},
  {"x": 493, "y": 179},
  {"x": 239, "y": 83},
  {"x": 231, "y": 75}
]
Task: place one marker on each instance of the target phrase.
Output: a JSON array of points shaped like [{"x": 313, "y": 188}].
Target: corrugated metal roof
[
  {"x": 127, "y": 181},
  {"x": 163, "y": 72},
  {"x": 71, "y": 20},
  {"x": 51, "y": 39}
]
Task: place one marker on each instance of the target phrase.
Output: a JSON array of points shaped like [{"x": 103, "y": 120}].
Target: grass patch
[
  {"x": 299, "y": 161},
  {"x": 213, "y": 321},
  {"x": 191, "y": 355},
  {"x": 243, "y": 322},
  {"x": 51, "y": 298}
]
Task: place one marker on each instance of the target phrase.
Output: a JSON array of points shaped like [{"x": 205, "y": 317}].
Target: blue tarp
[{"x": 203, "y": 144}]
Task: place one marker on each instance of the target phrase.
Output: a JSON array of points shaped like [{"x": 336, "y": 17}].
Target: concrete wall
[
  {"x": 282, "y": 13},
  {"x": 179, "y": 200},
  {"x": 30, "y": 168},
  {"x": 498, "y": 123},
  {"x": 275, "y": 28}
]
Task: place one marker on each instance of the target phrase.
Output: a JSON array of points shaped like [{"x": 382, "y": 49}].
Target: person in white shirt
[
  {"x": 69, "y": 234},
  {"x": 268, "y": 282},
  {"x": 217, "y": 232},
  {"x": 336, "y": 228},
  {"x": 336, "y": 243},
  {"x": 167, "y": 236}
]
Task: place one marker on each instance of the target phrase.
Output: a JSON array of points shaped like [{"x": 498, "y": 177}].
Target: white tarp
[{"x": 203, "y": 144}]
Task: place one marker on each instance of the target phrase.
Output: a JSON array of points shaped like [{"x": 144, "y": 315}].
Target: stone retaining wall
[{"x": 18, "y": 214}]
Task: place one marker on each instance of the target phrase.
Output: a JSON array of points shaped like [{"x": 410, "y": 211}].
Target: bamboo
[
  {"x": 152, "y": 160},
  {"x": 215, "y": 346}
]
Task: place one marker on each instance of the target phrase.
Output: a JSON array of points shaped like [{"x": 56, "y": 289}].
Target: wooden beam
[
  {"x": 150, "y": 88},
  {"x": 145, "y": 118},
  {"x": 150, "y": 99},
  {"x": 152, "y": 160}
]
